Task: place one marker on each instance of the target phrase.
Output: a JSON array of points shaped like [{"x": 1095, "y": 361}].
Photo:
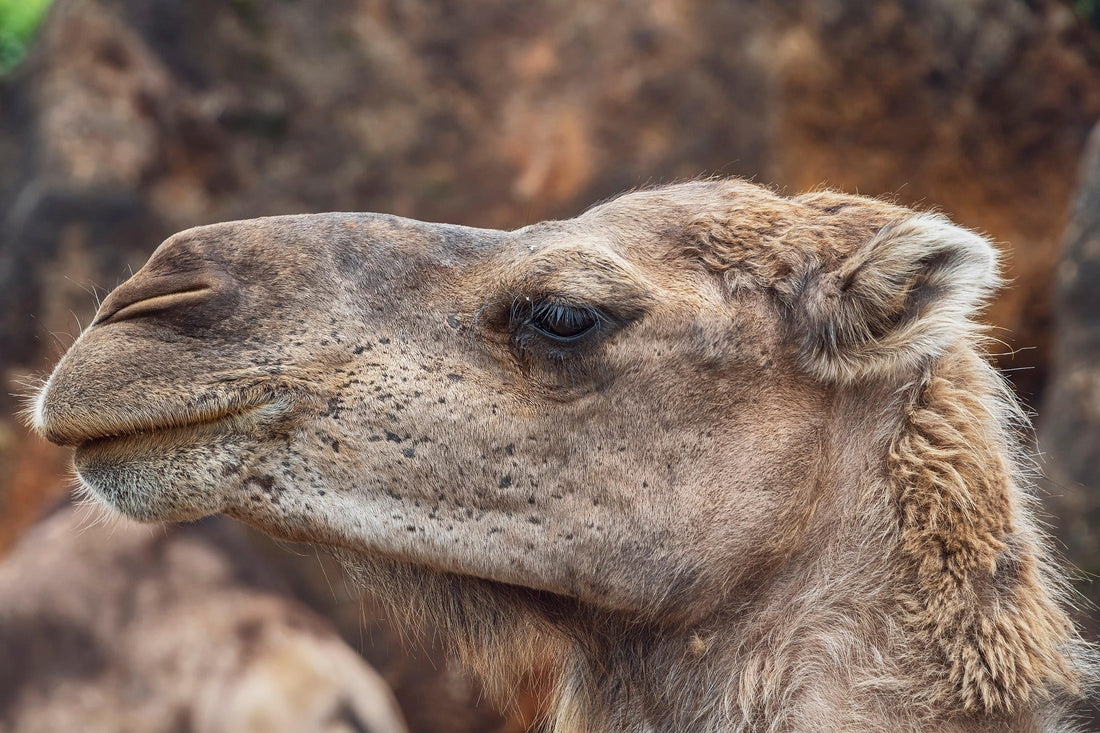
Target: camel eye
[{"x": 562, "y": 322}]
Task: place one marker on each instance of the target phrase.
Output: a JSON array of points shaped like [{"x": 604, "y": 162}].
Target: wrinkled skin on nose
[{"x": 383, "y": 386}]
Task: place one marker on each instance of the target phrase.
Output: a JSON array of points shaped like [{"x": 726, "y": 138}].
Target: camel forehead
[{"x": 736, "y": 224}]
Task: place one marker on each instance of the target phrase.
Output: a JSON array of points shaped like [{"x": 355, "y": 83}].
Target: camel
[{"x": 704, "y": 458}]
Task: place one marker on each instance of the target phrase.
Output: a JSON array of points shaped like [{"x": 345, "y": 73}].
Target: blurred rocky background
[{"x": 123, "y": 121}]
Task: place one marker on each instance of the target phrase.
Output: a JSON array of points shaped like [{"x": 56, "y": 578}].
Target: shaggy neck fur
[
  {"x": 980, "y": 592},
  {"x": 971, "y": 636}
]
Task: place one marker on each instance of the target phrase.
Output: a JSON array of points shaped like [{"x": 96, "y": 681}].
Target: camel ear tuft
[{"x": 900, "y": 299}]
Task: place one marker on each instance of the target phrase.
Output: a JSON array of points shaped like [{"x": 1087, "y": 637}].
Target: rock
[{"x": 1069, "y": 425}]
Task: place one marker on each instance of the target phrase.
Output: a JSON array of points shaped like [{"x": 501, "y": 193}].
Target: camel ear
[{"x": 899, "y": 300}]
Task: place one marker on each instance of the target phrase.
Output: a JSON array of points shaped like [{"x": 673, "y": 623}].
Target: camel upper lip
[
  {"x": 88, "y": 429},
  {"x": 163, "y": 426}
]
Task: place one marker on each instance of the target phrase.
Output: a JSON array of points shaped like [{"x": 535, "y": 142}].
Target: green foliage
[
  {"x": 1089, "y": 10},
  {"x": 18, "y": 21}
]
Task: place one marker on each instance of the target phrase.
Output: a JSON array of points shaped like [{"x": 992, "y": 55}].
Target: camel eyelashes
[
  {"x": 564, "y": 323},
  {"x": 557, "y": 322}
]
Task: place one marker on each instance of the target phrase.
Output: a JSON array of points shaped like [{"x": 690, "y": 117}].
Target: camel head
[{"x": 650, "y": 410}]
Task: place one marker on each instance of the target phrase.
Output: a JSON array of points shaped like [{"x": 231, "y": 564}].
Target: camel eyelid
[
  {"x": 538, "y": 313},
  {"x": 564, "y": 323}
]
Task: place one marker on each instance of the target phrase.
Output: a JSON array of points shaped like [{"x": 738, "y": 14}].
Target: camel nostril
[
  {"x": 152, "y": 304},
  {"x": 143, "y": 296}
]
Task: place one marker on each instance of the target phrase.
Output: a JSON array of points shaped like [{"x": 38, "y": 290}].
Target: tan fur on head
[{"x": 877, "y": 290}]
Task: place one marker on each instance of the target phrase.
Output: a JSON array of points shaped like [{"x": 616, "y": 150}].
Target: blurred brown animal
[
  {"x": 716, "y": 458},
  {"x": 115, "y": 626}
]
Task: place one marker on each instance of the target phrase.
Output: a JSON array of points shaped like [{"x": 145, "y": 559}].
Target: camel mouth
[
  {"x": 176, "y": 467},
  {"x": 174, "y": 426},
  {"x": 85, "y": 429}
]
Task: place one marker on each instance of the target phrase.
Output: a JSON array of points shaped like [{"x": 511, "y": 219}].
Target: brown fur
[{"x": 775, "y": 489}]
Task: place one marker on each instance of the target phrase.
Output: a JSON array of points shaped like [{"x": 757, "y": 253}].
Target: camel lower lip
[{"x": 169, "y": 473}]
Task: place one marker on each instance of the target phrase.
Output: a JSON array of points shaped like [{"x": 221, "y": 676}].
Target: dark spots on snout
[
  {"x": 267, "y": 485},
  {"x": 332, "y": 409}
]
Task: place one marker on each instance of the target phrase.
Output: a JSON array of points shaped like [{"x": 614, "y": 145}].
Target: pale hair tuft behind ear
[{"x": 899, "y": 300}]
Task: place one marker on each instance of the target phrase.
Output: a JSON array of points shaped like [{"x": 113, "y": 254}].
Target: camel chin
[{"x": 170, "y": 478}]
